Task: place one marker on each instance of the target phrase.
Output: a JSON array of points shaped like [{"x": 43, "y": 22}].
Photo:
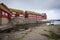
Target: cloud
[
  {"x": 33, "y": 4},
  {"x": 53, "y": 14},
  {"x": 55, "y": 4}
]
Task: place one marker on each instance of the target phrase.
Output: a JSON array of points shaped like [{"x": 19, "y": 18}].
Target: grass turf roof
[
  {"x": 16, "y": 10},
  {"x": 5, "y": 8},
  {"x": 21, "y": 11},
  {"x": 32, "y": 12}
]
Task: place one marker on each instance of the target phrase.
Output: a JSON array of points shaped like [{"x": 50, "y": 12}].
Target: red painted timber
[{"x": 0, "y": 16}]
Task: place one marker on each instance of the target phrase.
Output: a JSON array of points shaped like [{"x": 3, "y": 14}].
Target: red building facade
[{"x": 5, "y": 14}]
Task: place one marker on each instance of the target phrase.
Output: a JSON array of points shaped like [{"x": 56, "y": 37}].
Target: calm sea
[{"x": 57, "y": 22}]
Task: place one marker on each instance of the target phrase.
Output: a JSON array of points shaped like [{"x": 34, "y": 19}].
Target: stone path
[
  {"x": 36, "y": 34},
  {"x": 31, "y": 34},
  {"x": 13, "y": 35}
]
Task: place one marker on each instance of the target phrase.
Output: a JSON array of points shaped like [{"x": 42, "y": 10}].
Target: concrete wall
[{"x": 4, "y": 21}]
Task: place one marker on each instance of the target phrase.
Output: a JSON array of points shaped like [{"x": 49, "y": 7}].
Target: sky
[{"x": 50, "y": 7}]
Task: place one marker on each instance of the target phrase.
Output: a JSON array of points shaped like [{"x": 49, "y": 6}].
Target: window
[
  {"x": 20, "y": 15},
  {"x": 3, "y": 12},
  {"x": 13, "y": 15},
  {"x": 14, "y": 12},
  {"x": 6, "y": 14}
]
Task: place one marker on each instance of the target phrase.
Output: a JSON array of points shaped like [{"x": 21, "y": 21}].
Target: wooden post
[
  {"x": 17, "y": 14},
  {"x": 26, "y": 14},
  {"x": 0, "y": 17},
  {"x": 9, "y": 16}
]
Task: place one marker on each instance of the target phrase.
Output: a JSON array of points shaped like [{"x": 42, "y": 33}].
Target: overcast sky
[{"x": 51, "y": 7}]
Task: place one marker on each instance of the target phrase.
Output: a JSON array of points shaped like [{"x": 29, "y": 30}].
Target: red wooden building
[
  {"x": 17, "y": 13},
  {"x": 30, "y": 15},
  {"x": 34, "y": 15},
  {"x": 5, "y": 14}
]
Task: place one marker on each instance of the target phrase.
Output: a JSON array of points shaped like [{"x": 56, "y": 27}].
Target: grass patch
[
  {"x": 58, "y": 30},
  {"x": 52, "y": 36},
  {"x": 20, "y": 39}
]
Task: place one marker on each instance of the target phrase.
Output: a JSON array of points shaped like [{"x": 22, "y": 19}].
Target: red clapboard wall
[
  {"x": 32, "y": 17},
  {"x": 5, "y": 15},
  {"x": 20, "y": 15},
  {"x": 0, "y": 16},
  {"x": 39, "y": 18}
]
